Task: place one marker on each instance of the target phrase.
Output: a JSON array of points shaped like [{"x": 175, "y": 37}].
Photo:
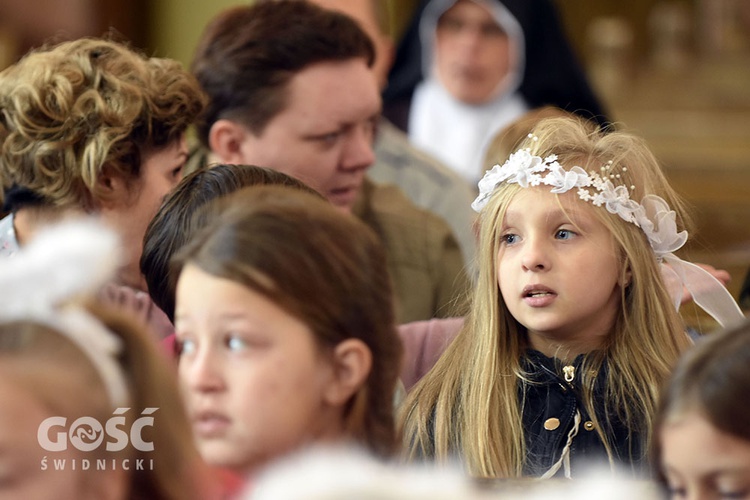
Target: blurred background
[{"x": 676, "y": 72}]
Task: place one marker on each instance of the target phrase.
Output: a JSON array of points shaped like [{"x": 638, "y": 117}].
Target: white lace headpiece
[
  {"x": 652, "y": 215},
  {"x": 42, "y": 280}
]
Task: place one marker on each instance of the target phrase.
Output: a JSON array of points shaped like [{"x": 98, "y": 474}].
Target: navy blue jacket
[{"x": 549, "y": 407}]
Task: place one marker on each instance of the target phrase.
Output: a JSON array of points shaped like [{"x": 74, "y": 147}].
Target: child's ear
[
  {"x": 627, "y": 277},
  {"x": 352, "y": 362},
  {"x": 225, "y": 141}
]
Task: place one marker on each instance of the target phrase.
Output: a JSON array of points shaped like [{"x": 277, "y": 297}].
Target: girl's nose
[
  {"x": 535, "y": 258},
  {"x": 203, "y": 372}
]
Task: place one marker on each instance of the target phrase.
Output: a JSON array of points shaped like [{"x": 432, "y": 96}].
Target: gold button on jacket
[{"x": 552, "y": 423}]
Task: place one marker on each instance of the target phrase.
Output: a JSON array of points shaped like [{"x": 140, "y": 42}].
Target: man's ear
[
  {"x": 225, "y": 141},
  {"x": 352, "y": 362}
]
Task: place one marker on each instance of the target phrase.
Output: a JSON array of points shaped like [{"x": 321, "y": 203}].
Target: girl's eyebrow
[
  {"x": 572, "y": 215},
  {"x": 232, "y": 315}
]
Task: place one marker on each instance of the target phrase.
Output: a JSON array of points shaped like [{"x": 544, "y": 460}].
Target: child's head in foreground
[
  {"x": 88, "y": 407},
  {"x": 704, "y": 422},
  {"x": 284, "y": 322}
]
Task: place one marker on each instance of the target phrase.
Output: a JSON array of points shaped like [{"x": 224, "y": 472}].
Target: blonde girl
[{"x": 572, "y": 328}]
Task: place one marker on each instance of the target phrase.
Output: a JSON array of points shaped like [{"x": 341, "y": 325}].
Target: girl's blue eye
[
  {"x": 235, "y": 343},
  {"x": 509, "y": 239},
  {"x": 564, "y": 234}
]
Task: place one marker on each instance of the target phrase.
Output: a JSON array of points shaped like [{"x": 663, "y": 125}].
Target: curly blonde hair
[{"x": 71, "y": 110}]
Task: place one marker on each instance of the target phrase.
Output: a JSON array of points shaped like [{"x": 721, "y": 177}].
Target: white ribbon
[
  {"x": 707, "y": 292},
  {"x": 659, "y": 224}
]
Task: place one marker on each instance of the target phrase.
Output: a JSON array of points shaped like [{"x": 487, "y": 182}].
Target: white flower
[
  {"x": 652, "y": 215},
  {"x": 660, "y": 225},
  {"x": 521, "y": 167},
  {"x": 566, "y": 180},
  {"x": 617, "y": 201},
  {"x": 518, "y": 169}
]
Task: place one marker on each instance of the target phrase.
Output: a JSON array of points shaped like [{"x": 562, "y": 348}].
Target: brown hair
[
  {"x": 713, "y": 379},
  {"x": 180, "y": 217},
  {"x": 60, "y": 374},
  {"x": 247, "y": 55},
  {"x": 322, "y": 266},
  {"x": 71, "y": 110}
]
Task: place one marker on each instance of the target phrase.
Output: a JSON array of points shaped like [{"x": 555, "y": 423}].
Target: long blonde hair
[{"x": 469, "y": 403}]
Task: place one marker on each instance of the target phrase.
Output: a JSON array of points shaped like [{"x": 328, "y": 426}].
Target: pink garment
[
  {"x": 424, "y": 342},
  {"x": 168, "y": 344}
]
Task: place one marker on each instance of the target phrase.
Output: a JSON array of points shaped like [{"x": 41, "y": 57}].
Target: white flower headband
[
  {"x": 652, "y": 215},
  {"x": 61, "y": 263}
]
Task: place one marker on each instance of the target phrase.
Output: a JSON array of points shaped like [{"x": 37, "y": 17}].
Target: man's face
[{"x": 324, "y": 135}]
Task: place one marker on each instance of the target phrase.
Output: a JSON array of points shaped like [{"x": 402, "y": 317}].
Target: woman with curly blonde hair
[{"x": 92, "y": 126}]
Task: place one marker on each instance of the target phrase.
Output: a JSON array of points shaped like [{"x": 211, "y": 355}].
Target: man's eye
[{"x": 329, "y": 138}]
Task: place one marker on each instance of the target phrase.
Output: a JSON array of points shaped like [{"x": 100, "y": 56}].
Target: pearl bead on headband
[{"x": 652, "y": 215}]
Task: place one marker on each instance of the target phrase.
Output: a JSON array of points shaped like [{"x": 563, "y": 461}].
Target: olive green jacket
[{"x": 424, "y": 258}]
